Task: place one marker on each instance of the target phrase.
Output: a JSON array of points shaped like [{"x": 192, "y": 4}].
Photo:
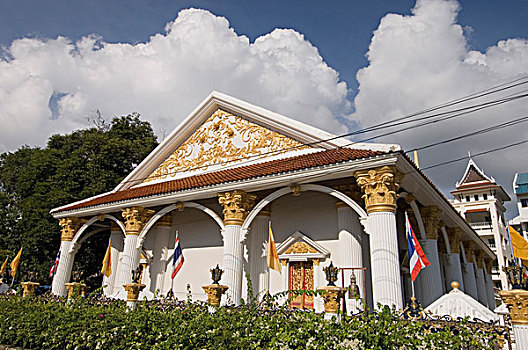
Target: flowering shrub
[{"x": 40, "y": 323}]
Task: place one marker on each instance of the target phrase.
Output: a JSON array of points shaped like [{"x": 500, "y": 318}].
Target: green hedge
[{"x": 38, "y": 323}]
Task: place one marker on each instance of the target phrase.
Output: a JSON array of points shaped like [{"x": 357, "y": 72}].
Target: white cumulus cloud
[
  {"x": 422, "y": 60},
  {"x": 163, "y": 79}
]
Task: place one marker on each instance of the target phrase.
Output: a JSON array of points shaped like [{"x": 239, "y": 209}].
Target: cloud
[
  {"x": 422, "y": 60},
  {"x": 51, "y": 85}
]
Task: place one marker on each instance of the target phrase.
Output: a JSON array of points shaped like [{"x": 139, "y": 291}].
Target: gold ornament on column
[
  {"x": 135, "y": 219},
  {"x": 455, "y": 236},
  {"x": 379, "y": 186},
  {"x": 431, "y": 220},
  {"x": 469, "y": 248},
  {"x": 165, "y": 221},
  {"x": 517, "y": 302},
  {"x": 70, "y": 226},
  {"x": 237, "y": 205}
]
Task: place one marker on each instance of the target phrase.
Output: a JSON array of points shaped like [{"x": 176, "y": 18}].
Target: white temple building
[
  {"x": 230, "y": 168},
  {"x": 480, "y": 200}
]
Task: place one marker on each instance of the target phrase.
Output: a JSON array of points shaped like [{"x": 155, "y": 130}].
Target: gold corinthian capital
[
  {"x": 70, "y": 226},
  {"x": 135, "y": 219},
  {"x": 237, "y": 205},
  {"x": 379, "y": 187}
]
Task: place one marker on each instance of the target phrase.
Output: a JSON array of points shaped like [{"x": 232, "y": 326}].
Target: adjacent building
[
  {"x": 520, "y": 188},
  {"x": 480, "y": 200}
]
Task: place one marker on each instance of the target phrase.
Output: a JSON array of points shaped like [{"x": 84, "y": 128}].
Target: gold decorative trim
[
  {"x": 296, "y": 190},
  {"x": 469, "y": 249},
  {"x": 316, "y": 261},
  {"x": 455, "y": 236},
  {"x": 135, "y": 219},
  {"x": 70, "y": 226},
  {"x": 300, "y": 248},
  {"x": 264, "y": 213},
  {"x": 517, "y": 302},
  {"x": 180, "y": 206},
  {"x": 224, "y": 137},
  {"x": 431, "y": 219},
  {"x": 237, "y": 205},
  {"x": 283, "y": 262},
  {"x": 379, "y": 186},
  {"x": 410, "y": 198},
  {"x": 165, "y": 221}
]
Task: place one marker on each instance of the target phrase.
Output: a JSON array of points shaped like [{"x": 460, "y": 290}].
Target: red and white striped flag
[
  {"x": 417, "y": 258},
  {"x": 177, "y": 260},
  {"x": 53, "y": 267}
]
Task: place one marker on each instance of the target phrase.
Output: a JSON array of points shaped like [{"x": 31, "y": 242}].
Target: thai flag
[
  {"x": 417, "y": 258},
  {"x": 53, "y": 268},
  {"x": 177, "y": 261}
]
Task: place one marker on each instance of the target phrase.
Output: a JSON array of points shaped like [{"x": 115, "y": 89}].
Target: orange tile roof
[{"x": 246, "y": 172}]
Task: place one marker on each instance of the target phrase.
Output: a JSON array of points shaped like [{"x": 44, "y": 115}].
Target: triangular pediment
[
  {"x": 224, "y": 139},
  {"x": 224, "y": 132},
  {"x": 474, "y": 175},
  {"x": 300, "y": 245}
]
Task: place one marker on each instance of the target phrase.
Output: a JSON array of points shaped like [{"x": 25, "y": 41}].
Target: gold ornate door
[{"x": 301, "y": 278}]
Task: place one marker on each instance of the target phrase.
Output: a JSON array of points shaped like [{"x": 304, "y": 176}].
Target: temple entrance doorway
[{"x": 301, "y": 277}]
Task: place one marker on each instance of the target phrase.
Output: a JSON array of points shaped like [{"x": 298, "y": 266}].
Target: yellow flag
[
  {"x": 14, "y": 263},
  {"x": 2, "y": 269},
  {"x": 519, "y": 244},
  {"x": 107, "y": 262},
  {"x": 273, "y": 257}
]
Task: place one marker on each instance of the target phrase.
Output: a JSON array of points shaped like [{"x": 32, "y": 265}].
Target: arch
[
  {"x": 309, "y": 187},
  {"x": 76, "y": 239},
  {"x": 159, "y": 214}
]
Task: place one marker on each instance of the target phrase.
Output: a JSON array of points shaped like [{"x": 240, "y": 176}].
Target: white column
[
  {"x": 386, "y": 281},
  {"x": 129, "y": 261},
  {"x": 258, "y": 268},
  {"x": 379, "y": 186},
  {"x": 481, "y": 287},
  {"x": 469, "y": 280},
  {"x": 161, "y": 253},
  {"x": 453, "y": 270},
  {"x": 116, "y": 241},
  {"x": 232, "y": 260},
  {"x": 70, "y": 226},
  {"x": 492, "y": 304},
  {"x": 351, "y": 254},
  {"x": 517, "y": 302},
  {"x": 64, "y": 268},
  {"x": 430, "y": 278}
]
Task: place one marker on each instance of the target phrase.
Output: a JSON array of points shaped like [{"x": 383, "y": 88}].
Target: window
[
  {"x": 485, "y": 196},
  {"x": 524, "y": 202},
  {"x": 467, "y": 198},
  {"x": 476, "y": 197},
  {"x": 491, "y": 242}
]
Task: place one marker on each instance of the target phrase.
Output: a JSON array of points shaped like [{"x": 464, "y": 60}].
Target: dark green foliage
[
  {"x": 36, "y": 324},
  {"x": 71, "y": 167}
]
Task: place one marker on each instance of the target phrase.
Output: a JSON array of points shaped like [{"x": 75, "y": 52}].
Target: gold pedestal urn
[
  {"x": 133, "y": 289},
  {"x": 215, "y": 291},
  {"x": 331, "y": 294},
  {"x": 75, "y": 288},
  {"x": 29, "y": 288}
]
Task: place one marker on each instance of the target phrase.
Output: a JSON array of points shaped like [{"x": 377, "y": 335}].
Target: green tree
[{"x": 71, "y": 167}]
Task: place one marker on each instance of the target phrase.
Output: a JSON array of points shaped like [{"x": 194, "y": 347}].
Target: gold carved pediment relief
[
  {"x": 223, "y": 139},
  {"x": 300, "y": 248}
]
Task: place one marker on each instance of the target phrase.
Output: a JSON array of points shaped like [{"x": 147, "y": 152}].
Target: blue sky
[{"x": 336, "y": 65}]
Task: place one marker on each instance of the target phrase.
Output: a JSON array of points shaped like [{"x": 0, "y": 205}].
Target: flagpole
[{"x": 412, "y": 285}]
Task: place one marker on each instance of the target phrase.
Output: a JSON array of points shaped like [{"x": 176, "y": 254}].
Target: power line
[
  {"x": 478, "y": 132},
  {"x": 476, "y": 154}
]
